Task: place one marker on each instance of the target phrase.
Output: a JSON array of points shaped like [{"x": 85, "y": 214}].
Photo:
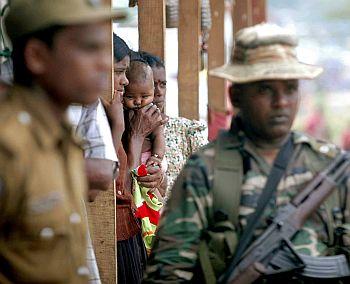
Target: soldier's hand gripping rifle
[{"x": 272, "y": 252}]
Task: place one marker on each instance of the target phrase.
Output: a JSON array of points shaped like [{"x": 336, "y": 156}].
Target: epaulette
[
  {"x": 320, "y": 146},
  {"x": 14, "y": 127},
  {"x": 207, "y": 151}
]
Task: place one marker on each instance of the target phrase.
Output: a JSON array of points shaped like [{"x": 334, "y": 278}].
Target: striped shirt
[{"x": 91, "y": 125}]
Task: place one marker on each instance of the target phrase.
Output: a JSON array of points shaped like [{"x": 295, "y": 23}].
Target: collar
[
  {"x": 36, "y": 106},
  {"x": 234, "y": 138},
  {"x": 237, "y": 138}
]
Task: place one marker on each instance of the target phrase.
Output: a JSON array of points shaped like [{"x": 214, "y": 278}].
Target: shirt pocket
[{"x": 48, "y": 241}]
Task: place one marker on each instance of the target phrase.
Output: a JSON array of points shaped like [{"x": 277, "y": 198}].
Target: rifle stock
[{"x": 289, "y": 220}]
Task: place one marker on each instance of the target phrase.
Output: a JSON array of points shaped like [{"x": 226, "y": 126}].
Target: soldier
[
  {"x": 60, "y": 56},
  {"x": 224, "y": 180}
]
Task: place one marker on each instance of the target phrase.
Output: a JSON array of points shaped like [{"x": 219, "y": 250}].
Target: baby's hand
[{"x": 154, "y": 161}]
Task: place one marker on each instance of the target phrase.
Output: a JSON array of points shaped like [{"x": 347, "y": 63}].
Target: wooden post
[
  {"x": 189, "y": 58},
  {"x": 152, "y": 26},
  {"x": 216, "y": 57},
  {"x": 102, "y": 219},
  {"x": 258, "y": 11},
  {"x": 247, "y": 13}
]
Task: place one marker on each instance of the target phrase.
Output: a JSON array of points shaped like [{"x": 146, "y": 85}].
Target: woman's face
[
  {"x": 120, "y": 80},
  {"x": 159, "y": 78}
]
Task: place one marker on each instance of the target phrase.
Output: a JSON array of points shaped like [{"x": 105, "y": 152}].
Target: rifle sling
[{"x": 276, "y": 173}]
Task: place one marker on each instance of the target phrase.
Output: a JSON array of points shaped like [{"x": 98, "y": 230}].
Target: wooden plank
[
  {"x": 152, "y": 26},
  {"x": 189, "y": 58},
  {"x": 259, "y": 12},
  {"x": 216, "y": 57},
  {"x": 102, "y": 218},
  {"x": 247, "y": 13},
  {"x": 240, "y": 15}
]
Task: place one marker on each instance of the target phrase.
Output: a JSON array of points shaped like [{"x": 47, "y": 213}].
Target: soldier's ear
[
  {"x": 235, "y": 95},
  {"x": 36, "y": 56}
]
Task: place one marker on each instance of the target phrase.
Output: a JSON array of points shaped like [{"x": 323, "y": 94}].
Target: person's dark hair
[
  {"x": 120, "y": 48},
  {"x": 152, "y": 60},
  {"x": 238, "y": 86},
  {"x": 21, "y": 73},
  {"x": 139, "y": 72},
  {"x": 136, "y": 56}
]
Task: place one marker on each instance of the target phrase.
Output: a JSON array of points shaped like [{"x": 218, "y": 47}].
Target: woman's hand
[
  {"x": 140, "y": 124},
  {"x": 115, "y": 113},
  {"x": 143, "y": 121},
  {"x": 154, "y": 179}
]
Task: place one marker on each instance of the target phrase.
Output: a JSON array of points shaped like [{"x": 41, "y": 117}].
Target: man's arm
[
  {"x": 175, "y": 252},
  {"x": 92, "y": 126},
  {"x": 100, "y": 173},
  {"x": 115, "y": 115},
  {"x": 12, "y": 187}
]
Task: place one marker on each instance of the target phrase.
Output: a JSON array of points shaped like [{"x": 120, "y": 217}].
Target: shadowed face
[
  {"x": 76, "y": 68},
  {"x": 120, "y": 80},
  {"x": 159, "y": 78},
  {"x": 267, "y": 108}
]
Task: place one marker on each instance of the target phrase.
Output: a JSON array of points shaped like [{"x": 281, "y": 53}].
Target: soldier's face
[
  {"x": 78, "y": 65},
  {"x": 268, "y": 108}
]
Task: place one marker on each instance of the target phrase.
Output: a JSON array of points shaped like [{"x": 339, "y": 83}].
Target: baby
[{"x": 138, "y": 94}]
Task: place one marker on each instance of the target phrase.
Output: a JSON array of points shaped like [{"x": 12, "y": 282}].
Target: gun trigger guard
[{"x": 295, "y": 263}]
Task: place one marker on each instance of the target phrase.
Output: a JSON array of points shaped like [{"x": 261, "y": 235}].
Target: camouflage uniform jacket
[{"x": 190, "y": 210}]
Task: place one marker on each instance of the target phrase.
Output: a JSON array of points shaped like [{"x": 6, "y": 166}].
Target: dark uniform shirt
[
  {"x": 189, "y": 211},
  {"x": 42, "y": 185}
]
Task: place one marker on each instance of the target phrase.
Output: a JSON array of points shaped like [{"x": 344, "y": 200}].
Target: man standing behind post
[
  {"x": 61, "y": 56},
  {"x": 218, "y": 192},
  {"x": 91, "y": 126}
]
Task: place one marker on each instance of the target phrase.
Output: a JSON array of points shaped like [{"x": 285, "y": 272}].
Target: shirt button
[
  {"x": 47, "y": 233},
  {"x": 75, "y": 218},
  {"x": 83, "y": 271},
  {"x": 119, "y": 192},
  {"x": 24, "y": 118}
]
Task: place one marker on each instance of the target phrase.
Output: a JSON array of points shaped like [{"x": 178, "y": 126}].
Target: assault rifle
[{"x": 272, "y": 252}]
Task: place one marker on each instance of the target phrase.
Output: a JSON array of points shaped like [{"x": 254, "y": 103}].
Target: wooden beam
[
  {"x": 216, "y": 56},
  {"x": 189, "y": 58},
  {"x": 247, "y": 13},
  {"x": 259, "y": 12},
  {"x": 240, "y": 15},
  {"x": 102, "y": 218},
  {"x": 152, "y": 26}
]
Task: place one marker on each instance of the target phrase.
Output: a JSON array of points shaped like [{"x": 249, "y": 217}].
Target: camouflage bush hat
[
  {"x": 264, "y": 52},
  {"x": 27, "y": 16}
]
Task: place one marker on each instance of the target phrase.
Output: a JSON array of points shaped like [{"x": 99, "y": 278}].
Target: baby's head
[{"x": 140, "y": 91}]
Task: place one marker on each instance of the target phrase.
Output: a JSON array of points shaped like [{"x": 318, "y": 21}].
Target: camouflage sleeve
[
  {"x": 346, "y": 213},
  {"x": 175, "y": 253}
]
